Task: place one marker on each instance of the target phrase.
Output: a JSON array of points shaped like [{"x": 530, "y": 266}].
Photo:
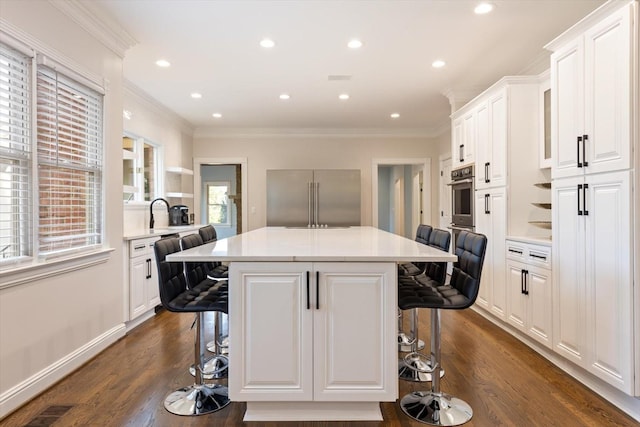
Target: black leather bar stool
[
  {"x": 217, "y": 270},
  {"x": 412, "y": 367},
  {"x": 409, "y": 269},
  {"x": 435, "y": 407},
  {"x": 196, "y": 275},
  {"x": 198, "y": 398}
]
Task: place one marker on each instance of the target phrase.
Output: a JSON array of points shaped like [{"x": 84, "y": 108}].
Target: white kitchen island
[{"x": 313, "y": 319}]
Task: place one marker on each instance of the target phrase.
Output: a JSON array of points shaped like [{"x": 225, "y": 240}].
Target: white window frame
[
  {"x": 23, "y": 269},
  {"x": 219, "y": 184}
]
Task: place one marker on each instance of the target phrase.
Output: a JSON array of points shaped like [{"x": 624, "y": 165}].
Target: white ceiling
[{"x": 213, "y": 47}]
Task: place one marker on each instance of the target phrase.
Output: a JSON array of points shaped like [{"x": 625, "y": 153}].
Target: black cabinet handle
[
  {"x": 317, "y": 290},
  {"x": 522, "y": 281},
  {"x": 308, "y": 302},
  {"x": 486, "y": 204},
  {"x": 526, "y": 286},
  {"x": 584, "y": 154},
  {"x": 148, "y": 268},
  {"x": 579, "y": 190},
  {"x": 584, "y": 199},
  {"x": 462, "y": 152},
  {"x": 578, "y": 151},
  {"x": 486, "y": 172}
]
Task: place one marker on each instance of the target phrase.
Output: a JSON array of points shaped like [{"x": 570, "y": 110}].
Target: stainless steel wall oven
[{"x": 462, "y": 199}]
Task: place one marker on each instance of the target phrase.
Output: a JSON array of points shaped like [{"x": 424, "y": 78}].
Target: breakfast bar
[{"x": 313, "y": 319}]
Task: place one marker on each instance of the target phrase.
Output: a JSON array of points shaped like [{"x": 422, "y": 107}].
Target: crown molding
[
  {"x": 214, "y": 132},
  {"x": 97, "y": 22},
  {"x": 153, "y": 105}
]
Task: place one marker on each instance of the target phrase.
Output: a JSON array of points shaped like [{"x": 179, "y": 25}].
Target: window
[
  {"x": 51, "y": 181},
  {"x": 218, "y": 203},
  {"x": 15, "y": 154}
]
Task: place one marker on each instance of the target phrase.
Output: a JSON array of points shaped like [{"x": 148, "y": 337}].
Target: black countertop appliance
[{"x": 179, "y": 215}]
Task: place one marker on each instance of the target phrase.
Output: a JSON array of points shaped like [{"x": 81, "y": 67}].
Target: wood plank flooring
[{"x": 504, "y": 381}]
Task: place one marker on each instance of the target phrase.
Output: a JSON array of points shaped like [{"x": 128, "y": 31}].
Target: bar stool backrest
[
  {"x": 422, "y": 234},
  {"x": 437, "y": 271},
  {"x": 195, "y": 272},
  {"x": 171, "y": 278},
  {"x": 208, "y": 233},
  {"x": 465, "y": 277}
]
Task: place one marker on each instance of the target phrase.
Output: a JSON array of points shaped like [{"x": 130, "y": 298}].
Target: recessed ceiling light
[
  {"x": 163, "y": 63},
  {"x": 438, "y": 63},
  {"x": 196, "y": 95},
  {"x": 343, "y": 96},
  {"x": 483, "y": 8},
  {"x": 285, "y": 96},
  {"x": 216, "y": 115},
  {"x": 394, "y": 115},
  {"x": 268, "y": 43},
  {"x": 354, "y": 44}
]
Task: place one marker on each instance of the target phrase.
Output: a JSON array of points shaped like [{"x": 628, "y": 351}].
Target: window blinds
[
  {"x": 70, "y": 161},
  {"x": 15, "y": 154}
]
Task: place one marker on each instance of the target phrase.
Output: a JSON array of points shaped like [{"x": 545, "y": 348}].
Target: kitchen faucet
[{"x": 151, "y": 221}]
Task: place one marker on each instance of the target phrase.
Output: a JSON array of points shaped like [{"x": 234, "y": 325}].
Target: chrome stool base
[
  {"x": 223, "y": 346},
  {"x": 438, "y": 409},
  {"x": 197, "y": 400},
  {"x": 415, "y": 368},
  {"x": 214, "y": 368},
  {"x": 405, "y": 344}
]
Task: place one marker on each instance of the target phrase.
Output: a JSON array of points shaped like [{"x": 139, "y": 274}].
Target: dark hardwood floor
[{"x": 504, "y": 381}]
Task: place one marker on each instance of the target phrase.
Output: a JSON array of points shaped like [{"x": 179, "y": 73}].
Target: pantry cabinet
[
  {"x": 491, "y": 220},
  {"x": 300, "y": 330},
  {"x": 591, "y": 99}
]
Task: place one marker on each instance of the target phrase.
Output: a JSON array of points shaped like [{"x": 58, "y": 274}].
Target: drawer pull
[
  {"x": 541, "y": 257},
  {"x": 515, "y": 251}
]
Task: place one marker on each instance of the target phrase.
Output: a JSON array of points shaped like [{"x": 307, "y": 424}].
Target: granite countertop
[{"x": 161, "y": 231}]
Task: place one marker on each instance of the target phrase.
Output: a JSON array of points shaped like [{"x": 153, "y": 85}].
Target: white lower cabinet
[
  {"x": 529, "y": 290},
  {"x": 303, "y": 331},
  {"x": 593, "y": 275},
  {"x": 143, "y": 281}
]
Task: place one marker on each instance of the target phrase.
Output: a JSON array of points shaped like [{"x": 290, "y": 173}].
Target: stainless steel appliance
[
  {"x": 462, "y": 199},
  {"x": 179, "y": 215},
  {"x": 313, "y": 198}
]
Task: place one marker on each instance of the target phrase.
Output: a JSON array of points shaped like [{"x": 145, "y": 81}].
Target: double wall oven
[{"x": 462, "y": 198}]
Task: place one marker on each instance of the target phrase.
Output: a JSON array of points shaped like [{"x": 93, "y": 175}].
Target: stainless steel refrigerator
[{"x": 313, "y": 198}]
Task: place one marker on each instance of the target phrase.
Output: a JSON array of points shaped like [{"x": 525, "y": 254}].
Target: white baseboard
[
  {"x": 40, "y": 381},
  {"x": 628, "y": 404}
]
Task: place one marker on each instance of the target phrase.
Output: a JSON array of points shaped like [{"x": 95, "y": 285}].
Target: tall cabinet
[
  {"x": 592, "y": 79},
  {"x": 500, "y": 121}
]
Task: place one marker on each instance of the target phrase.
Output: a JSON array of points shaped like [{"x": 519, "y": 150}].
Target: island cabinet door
[
  {"x": 271, "y": 332},
  {"x": 355, "y": 356}
]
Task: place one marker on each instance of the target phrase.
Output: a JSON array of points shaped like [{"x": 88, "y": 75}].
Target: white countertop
[
  {"x": 355, "y": 244},
  {"x": 161, "y": 231},
  {"x": 533, "y": 240}
]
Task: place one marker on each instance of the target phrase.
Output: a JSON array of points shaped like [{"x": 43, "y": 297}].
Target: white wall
[
  {"x": 50, "y": 325},
  {"x": 308, "y": 152},
  {"x": 174, "y": 135}
]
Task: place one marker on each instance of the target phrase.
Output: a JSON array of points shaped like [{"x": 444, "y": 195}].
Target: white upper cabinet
[{"x": 590, "y": 95}]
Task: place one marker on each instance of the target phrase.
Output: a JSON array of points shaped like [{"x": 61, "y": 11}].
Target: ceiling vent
[{"x": 339, "y": 77}]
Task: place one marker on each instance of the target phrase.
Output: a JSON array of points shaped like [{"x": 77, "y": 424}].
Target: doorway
[
  {"x": 220, "y": 188},
  {"x": 398, "y": 200}
]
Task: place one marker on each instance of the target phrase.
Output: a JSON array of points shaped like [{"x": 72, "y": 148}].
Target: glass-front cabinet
[{"x": 140, "y": 169}]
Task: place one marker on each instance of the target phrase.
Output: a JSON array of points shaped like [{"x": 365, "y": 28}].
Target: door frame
[
  {"x": 424, "y": 162},
  {"x": 197, "y": 182}
]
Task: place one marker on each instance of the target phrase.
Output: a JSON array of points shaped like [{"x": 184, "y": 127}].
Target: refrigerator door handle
[
  {"x": 315, "y": 222},
  {"x": 309, "y": 199}
]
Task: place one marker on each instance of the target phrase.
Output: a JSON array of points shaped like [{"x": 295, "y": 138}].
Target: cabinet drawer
[
  {"x": 516, "y": 251},
  {"x": 140, "y": 247},
  {"x": 540, "y": 256}
]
